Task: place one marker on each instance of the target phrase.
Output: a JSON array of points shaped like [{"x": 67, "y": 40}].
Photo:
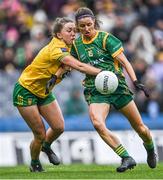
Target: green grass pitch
[{"x": 81, "y": 171}]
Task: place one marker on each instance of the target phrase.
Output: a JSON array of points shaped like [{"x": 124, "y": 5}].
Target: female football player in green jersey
[
  {"x": 103, "y": 50},
  {"x": 32, "y": 93}
]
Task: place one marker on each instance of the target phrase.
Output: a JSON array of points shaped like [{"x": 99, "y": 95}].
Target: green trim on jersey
[{"x": 64, "y": 54}]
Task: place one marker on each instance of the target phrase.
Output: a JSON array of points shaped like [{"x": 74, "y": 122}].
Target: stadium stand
[{"x": 26, "y": 25}]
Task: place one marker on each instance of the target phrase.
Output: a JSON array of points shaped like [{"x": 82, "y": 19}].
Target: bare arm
[
  {"x": 126, "y": 64},
  {"x": 82, "y": 67},
  {"x": 70, "y": 62},
  {"x": 60, "y": 71}
]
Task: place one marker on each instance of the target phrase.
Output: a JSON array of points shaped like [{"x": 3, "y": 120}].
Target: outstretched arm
[
  {"x": 82, "y": 67},
  {"x": 70, "y": 61}
]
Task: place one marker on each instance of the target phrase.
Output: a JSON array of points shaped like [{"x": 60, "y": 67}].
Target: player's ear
[{"x": 59, "y": 35}]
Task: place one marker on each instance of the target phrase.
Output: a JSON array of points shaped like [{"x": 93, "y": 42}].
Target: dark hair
[
  {"x": 86, "y": 12},
  {"x": 58, "y": 25}
]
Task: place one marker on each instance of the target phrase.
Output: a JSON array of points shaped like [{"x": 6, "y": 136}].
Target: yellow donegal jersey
[{"x": 46, "y": 63}]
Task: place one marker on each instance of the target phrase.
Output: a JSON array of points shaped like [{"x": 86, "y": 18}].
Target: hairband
[{"x": 85, "y": 15}]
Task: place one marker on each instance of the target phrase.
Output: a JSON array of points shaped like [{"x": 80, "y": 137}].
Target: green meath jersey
[{"x": 100, "y": 52}]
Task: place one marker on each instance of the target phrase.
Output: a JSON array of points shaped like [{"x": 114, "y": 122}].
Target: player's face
[
  {"x": 67, "y": 33},
  {"x": 86, "y": 26}
]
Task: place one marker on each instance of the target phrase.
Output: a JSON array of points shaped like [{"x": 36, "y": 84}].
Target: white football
[{"x": 106, "y": 82}]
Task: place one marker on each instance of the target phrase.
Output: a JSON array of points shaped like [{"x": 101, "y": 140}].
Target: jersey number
[{"x": 90, "y": 53}]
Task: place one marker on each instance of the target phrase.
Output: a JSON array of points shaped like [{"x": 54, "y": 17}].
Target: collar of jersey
[
  {"x": 90, "y": 41},
  {"x": 60, "y": 42}
]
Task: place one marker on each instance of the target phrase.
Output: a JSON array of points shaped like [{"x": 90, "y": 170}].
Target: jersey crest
[{"x": 64, "y": 49}]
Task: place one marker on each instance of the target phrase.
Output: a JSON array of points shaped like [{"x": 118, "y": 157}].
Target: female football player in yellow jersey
[
  {"x": 32, "y": 93},
  {"x": 105, "y": 51}
]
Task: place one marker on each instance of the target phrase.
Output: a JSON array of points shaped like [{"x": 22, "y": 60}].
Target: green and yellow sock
[
  {"x": 35, "y": 161},
  {"x": 46, "y": 144},
  {"x": 149, "y": 146},
  {"x": 121, "y": 151}
]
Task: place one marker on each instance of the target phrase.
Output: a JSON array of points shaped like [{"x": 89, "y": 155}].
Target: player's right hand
[
  {"x": 50, "y": 84},
  {"x": 141, "y": 87}
]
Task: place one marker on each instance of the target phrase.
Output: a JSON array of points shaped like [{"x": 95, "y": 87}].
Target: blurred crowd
[{"x": 25, "y": 27}]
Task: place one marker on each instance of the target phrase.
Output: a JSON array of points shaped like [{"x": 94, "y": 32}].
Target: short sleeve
[
  {"x": 113, "y": 45},
  {"x": 59, "y": 53}
]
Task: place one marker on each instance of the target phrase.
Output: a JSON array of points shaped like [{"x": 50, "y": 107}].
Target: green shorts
[
  {"x": 121, "y": 97},
  {"x": 23, "y": 97}
]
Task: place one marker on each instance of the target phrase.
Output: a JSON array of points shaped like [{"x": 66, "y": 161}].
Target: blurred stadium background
[{"x": 25, "y": 27}]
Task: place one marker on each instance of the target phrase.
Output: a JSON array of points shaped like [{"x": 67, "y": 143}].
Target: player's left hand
[
  {"x": 66, "y": 73},
  {"x": 50, "y": 83},
  {"x": 141, "y": 87}
]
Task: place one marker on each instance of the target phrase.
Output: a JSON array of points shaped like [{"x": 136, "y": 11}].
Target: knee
[
  {"x": 40, "y": 135},
  {"x": 98, "y": 124},
  {"x": 142, "y": 130},
  {"x": 59, "y": 128}
]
